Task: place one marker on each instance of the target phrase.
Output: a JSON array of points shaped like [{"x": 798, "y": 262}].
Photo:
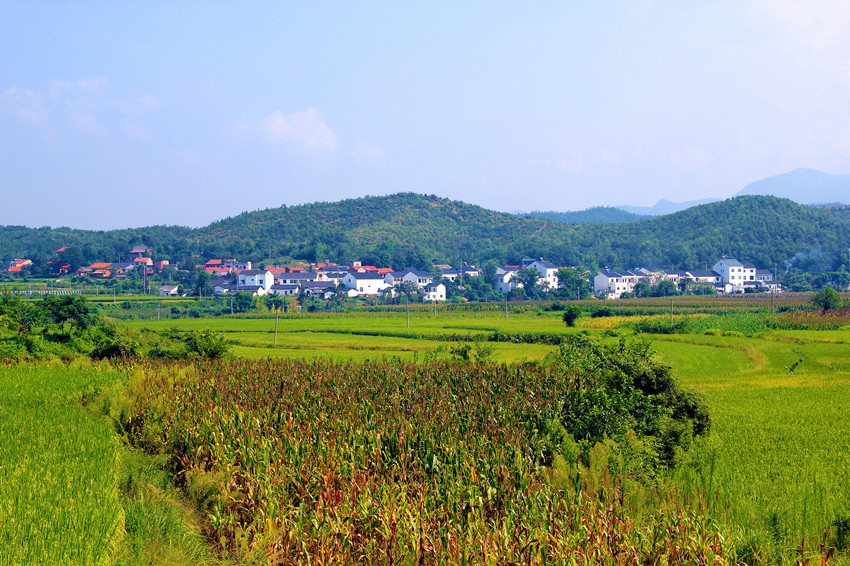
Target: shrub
[
  {"x": 827, "y": 299},
  {"x": 571, "y": 314},
  {"x": 602, "y": 311},
  {"x": 207, "y": 344},
  {"x": 624, "y": 388},
  {"x": 12, "y": 350},
  {"x": 115, "y": 346},
  {"x": 661, "y": 325}
]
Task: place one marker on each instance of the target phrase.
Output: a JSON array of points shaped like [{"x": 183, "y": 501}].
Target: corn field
[{"x": 387, "y": 462}]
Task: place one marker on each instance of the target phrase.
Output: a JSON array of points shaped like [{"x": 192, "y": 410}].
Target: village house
[
  {"x": 285, "y": 290},
  {"x": 319, "y": 289},
  {"x": 453, "y": 273},
  {"x": 548, "y": 272},
  {"x": 733, "y": 274},
  {"x": 140, "y": 251},
  {"x": 410, "y": 275},
  {"x": 168, "y": 290},
  {"x": 297, "y": 277},
  {"x": 364, "y": 283},
  {"x": 705, "y": 276},
  {"x": 614, "y": 282},
  {"x": 506, "y": 278},
  {"x": 255, "y": 281},
  {"x": 18, "y": 265},
  {"x": 434, "y": 292}
]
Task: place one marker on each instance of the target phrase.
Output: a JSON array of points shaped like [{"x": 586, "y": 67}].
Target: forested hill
[
  {"x": 595, "y": 214},
  {"x": 411, "y": 229}
]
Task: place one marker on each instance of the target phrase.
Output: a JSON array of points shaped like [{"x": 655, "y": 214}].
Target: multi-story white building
[
  {"x": 253, "y": 278},
  {"x": 733, "y": 272},
  {"x": 548, "y": 273},
  {"x": 614, "y": 282}
]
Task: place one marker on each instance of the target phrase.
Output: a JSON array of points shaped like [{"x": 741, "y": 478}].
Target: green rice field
[{"x": 773, "y": 474}]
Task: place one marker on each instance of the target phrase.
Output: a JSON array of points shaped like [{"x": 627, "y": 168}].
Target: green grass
[
  {"x": 778, "y": 461},
  {"x": 59, "y": 500}
]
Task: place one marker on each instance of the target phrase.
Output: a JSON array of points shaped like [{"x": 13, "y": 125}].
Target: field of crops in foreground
[
  {"x": 388, "y": 462},
  {"x": 59, "y": 501},
  {"x": 778, "y": 461}
]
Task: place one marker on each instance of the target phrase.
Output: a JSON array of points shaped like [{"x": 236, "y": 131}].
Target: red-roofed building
[
  {"x": 143, "y": 261},
  {"x": 100, "y": 265},
  {"x": 140, "y": 251}
]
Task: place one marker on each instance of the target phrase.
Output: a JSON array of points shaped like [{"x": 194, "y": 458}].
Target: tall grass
[{"x": 59, "y": 501}]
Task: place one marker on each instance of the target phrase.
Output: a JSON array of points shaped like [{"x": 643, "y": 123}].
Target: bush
[
  {"x": 12, "y": 350},
  {"x": 624, "y": 388},
  {"x": 661, "y": 325},
  {"x": 602, "y": 311},
  {"x": 571, "y": 314},
  {"x": 827, "y": 299},
  {"x": 115, "y": 346},
  {"x": 207, "y": 344}
]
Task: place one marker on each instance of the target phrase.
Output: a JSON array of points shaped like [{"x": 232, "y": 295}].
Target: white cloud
[
  {"x": 299, "y": 129},
  {"x": 25, "y": 105},
  {"x": 83, "y": 106}
]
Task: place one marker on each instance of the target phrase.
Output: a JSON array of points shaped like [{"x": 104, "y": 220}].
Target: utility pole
[
  {"x": 158, "y": 306},
  {"x": 506, "y": 307},
  {"x": 275, "y": 329},
  {"x": 407, "y": 308},
  {"x": 671, "y": 311}
]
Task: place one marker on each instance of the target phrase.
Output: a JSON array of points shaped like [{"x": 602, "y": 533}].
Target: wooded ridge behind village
[{"x": 434, "y": 249}]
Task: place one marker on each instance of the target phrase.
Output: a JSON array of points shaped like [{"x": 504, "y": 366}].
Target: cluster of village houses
[{"x": 325, "y": 280}]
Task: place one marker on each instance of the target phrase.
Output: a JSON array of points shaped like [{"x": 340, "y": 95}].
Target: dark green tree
[
  {"x": 74, "y": 309},
  {"x": 530, "y": 281},
  {"x": 827, "y": 299},
  {"x": 571, "y": 314}
]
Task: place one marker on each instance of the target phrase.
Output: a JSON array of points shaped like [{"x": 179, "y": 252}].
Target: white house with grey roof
[
  {"x": 548, "y": 272},
  {"x": 734, "y": 273},
  {"x": 506, "y": 280},
  {"x": 614, "y": 282},
  {"x": 248, "y": 279},
  {"x": 465, "y": 270},
  {"x": 408, "y": 274},
  {"x": 434, "y": 292},
  {"x": 365, "y": 283}
]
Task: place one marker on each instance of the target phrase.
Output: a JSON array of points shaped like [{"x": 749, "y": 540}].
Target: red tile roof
[{"x": 100, "y": 265}]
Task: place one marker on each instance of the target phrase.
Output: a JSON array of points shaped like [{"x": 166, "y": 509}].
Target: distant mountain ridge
[
  {"x": 409, "y": 229},
  {"x": 805, "y": 186},
  {"x": 665, "y": 206},
  {"x": 596, "y": 214}
]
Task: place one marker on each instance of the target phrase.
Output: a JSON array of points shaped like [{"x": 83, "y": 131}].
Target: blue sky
[{"x": 116, "y": 114}]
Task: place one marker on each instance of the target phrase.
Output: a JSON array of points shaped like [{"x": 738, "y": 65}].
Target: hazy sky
[{"x": 119, "y": 114}]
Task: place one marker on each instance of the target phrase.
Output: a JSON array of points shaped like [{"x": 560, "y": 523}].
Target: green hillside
[
  {"x": 412, "y": 229},
  {"x": 595, "y": 214}
]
